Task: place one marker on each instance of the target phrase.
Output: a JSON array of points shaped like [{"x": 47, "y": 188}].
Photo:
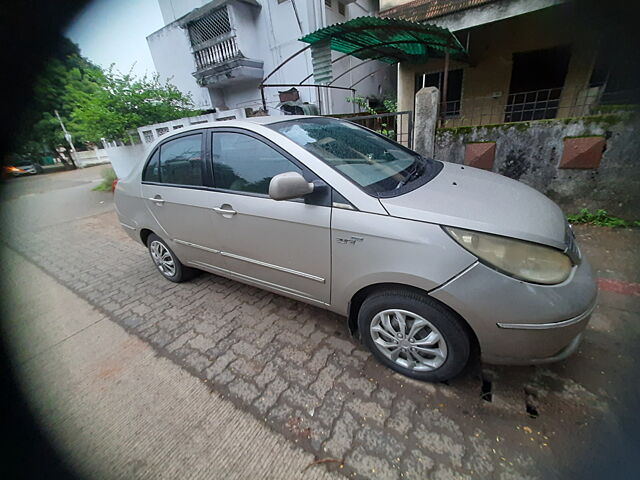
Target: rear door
[
  {"x": 175, "y": 185},
  {"x": 279, "y": 244}
]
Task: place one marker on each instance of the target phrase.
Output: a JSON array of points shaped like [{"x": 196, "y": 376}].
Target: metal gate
[{"x": 397, "y": 126}]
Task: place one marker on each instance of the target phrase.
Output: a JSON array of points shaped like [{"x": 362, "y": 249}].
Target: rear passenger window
[
  {"x": 152, "y": 170},
  {"x": 245, "y": 164},
  {"x": 181, "y": 161}
]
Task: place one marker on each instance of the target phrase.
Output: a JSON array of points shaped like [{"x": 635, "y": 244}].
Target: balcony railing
[
  {"x": 217, "y": 53},
  {"x": 538, "y": 105}
]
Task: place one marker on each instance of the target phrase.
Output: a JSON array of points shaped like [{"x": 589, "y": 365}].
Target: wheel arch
[
  {"x": 144, "y": 235},
  {"x": 359, "y": 297}
]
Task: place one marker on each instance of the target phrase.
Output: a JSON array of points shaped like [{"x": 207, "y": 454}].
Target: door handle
[
  {"x": 224, "y": 211},
  {"x": 157, "y": 199}
]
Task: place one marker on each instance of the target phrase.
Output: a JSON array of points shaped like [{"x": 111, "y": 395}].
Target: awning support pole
[{"x": 443, "y": 108}]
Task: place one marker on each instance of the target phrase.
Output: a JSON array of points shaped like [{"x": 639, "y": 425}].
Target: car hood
[{"x": 475, "y": 199}]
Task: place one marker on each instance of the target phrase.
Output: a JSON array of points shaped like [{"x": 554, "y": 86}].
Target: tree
[
  {"x": 93, "y": 103},
  {"x": 113, "y": 104},
  {"x": 40, "y": 130}
]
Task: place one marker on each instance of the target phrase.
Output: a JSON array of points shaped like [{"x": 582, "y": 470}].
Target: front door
[{"x": 284, "y": 245}]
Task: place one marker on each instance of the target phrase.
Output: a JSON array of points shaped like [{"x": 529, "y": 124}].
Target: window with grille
[
  {"x": 214, "y": 25},
  {"x": 341, "y": 8}
]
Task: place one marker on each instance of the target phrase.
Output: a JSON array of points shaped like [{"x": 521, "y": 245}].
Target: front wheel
[
  {"x": 166, "y": 261},
  {"x": 414, "y": 335}
]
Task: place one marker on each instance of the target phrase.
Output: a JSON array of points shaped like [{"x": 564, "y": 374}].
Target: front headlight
[{"x": 523, "y": 260}]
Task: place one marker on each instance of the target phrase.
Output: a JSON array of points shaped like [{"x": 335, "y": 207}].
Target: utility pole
[{"x": 67, "y": 137}]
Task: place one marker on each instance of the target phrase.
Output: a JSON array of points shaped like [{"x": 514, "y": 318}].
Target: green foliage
[
  {"x": 601, "y": 218},
  {"x": 92, "y": 103},
  {"x": 363, "y": 103},
  {"x": 40, "y": 130},
  {"x": 108, "y": 177},
  {"x": 112, "y": 103},
  {"x": 390, "y": 105}
]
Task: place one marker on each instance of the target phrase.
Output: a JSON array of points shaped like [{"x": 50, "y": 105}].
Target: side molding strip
[
  {"x": 251, "y": 260},
  {"x": 194, "y": 245},
  {"x": 546, "y": 326},
  {"x": 275, "y": 267}
]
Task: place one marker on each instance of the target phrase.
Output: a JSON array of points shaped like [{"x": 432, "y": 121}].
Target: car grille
[{"x": 572, "y": 246}]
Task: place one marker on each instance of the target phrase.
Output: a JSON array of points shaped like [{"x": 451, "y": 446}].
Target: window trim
[
  {"x": 309, "y": 174},
  {"x": 207, "y": 176}
]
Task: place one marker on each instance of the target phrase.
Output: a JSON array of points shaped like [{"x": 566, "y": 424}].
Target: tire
[
  {"x": 167, "y": 262},
  {"x": 422, "y": 355}
]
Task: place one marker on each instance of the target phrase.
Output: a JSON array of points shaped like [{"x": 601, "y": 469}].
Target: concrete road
[
  {"x": 34, "y": 202},
  {"x": 293, "y": 369}
]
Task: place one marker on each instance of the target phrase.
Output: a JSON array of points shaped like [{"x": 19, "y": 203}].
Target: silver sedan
[{"x": 429, "y": 261}]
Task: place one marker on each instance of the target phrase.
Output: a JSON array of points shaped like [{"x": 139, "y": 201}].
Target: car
[
  {"x": 18, "y": 168},
  {"x": 435, "y": 265}
]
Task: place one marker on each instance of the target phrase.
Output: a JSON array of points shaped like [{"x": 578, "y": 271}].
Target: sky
[{"x": 115, "y": 31}]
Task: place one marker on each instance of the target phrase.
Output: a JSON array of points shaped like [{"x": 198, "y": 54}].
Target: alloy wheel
[
  {"x": 408, "y": 340},
  {"x": 162, "y": 258}
]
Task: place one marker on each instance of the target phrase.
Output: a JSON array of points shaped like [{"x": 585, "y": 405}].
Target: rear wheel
[
  {"x": 414, "y": 335},
  {"x": 166, "y": 261}
]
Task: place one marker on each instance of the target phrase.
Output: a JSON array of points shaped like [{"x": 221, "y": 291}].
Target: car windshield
[{"x": 378, "y": 165}]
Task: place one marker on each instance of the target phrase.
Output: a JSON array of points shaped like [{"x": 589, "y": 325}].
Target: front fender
[{"x": 386, "y": 249}]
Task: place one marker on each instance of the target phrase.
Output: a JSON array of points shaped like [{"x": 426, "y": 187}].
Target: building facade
[
  {"x": 219, "y": 51},
  {"x": 528, "y": 60},
  {"x": 547, "y": 95}
]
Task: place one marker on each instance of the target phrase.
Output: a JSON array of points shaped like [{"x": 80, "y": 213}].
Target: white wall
[
  {"x": 174, "y": 9},
  {"x": 124, "y": 158},
  {"x": 149, "y": 133},
  {"x": 269, "y": 33},
  {"x": 172, "y": 57},
  {"x": 90, "y": 157}
]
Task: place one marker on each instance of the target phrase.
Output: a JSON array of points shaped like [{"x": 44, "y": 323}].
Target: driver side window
[{"x": 244, "y": 164}]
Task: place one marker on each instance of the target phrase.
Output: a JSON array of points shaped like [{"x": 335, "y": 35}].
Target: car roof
[{"x": 242, "y": 123}]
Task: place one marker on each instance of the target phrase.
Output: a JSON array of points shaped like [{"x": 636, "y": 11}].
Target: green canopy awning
[{"x": 389, "y": 40}]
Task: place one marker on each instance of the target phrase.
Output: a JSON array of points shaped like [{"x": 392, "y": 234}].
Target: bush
[
  {"x": 108, "y": 177},
  {"x": 601, "y": 218}
]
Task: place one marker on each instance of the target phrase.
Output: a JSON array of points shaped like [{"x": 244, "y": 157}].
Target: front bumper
[{"x": 518, "y": 322}]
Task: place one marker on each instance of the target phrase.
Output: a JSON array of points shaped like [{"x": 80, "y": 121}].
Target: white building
[{"x": 220, "y": 50}]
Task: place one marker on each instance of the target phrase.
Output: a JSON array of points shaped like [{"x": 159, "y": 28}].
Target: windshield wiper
[{"x": 416, "y": 170}]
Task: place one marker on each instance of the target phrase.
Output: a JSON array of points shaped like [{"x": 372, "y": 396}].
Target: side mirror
[{"x": 288, "y": 185}]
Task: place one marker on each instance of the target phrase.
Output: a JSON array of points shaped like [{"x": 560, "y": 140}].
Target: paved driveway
[{"x": 296, "y": 368}]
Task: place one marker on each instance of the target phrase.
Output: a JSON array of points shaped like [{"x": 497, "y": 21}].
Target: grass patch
[
  {"x": 108, "y": 177},
  {"x": 601, "y": 218}
]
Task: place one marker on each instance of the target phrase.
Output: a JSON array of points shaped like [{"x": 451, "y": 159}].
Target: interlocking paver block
[
  {"x": 220, "y": 364},
  {"x": 293, "y": 365},
  {"x": 372, "y": 466},
  {"x": 245, "y": 391},
  {"x": 270, "y": 395},
  {"x": 342, "y": 437}
]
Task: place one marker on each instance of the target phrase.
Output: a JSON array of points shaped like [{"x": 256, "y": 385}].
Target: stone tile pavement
[{"x": 295, "y": 367}]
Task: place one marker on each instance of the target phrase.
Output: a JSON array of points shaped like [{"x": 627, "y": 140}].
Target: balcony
[
  {"x": 220, "y": 63},
  {"x": 218, "y": 58}
]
